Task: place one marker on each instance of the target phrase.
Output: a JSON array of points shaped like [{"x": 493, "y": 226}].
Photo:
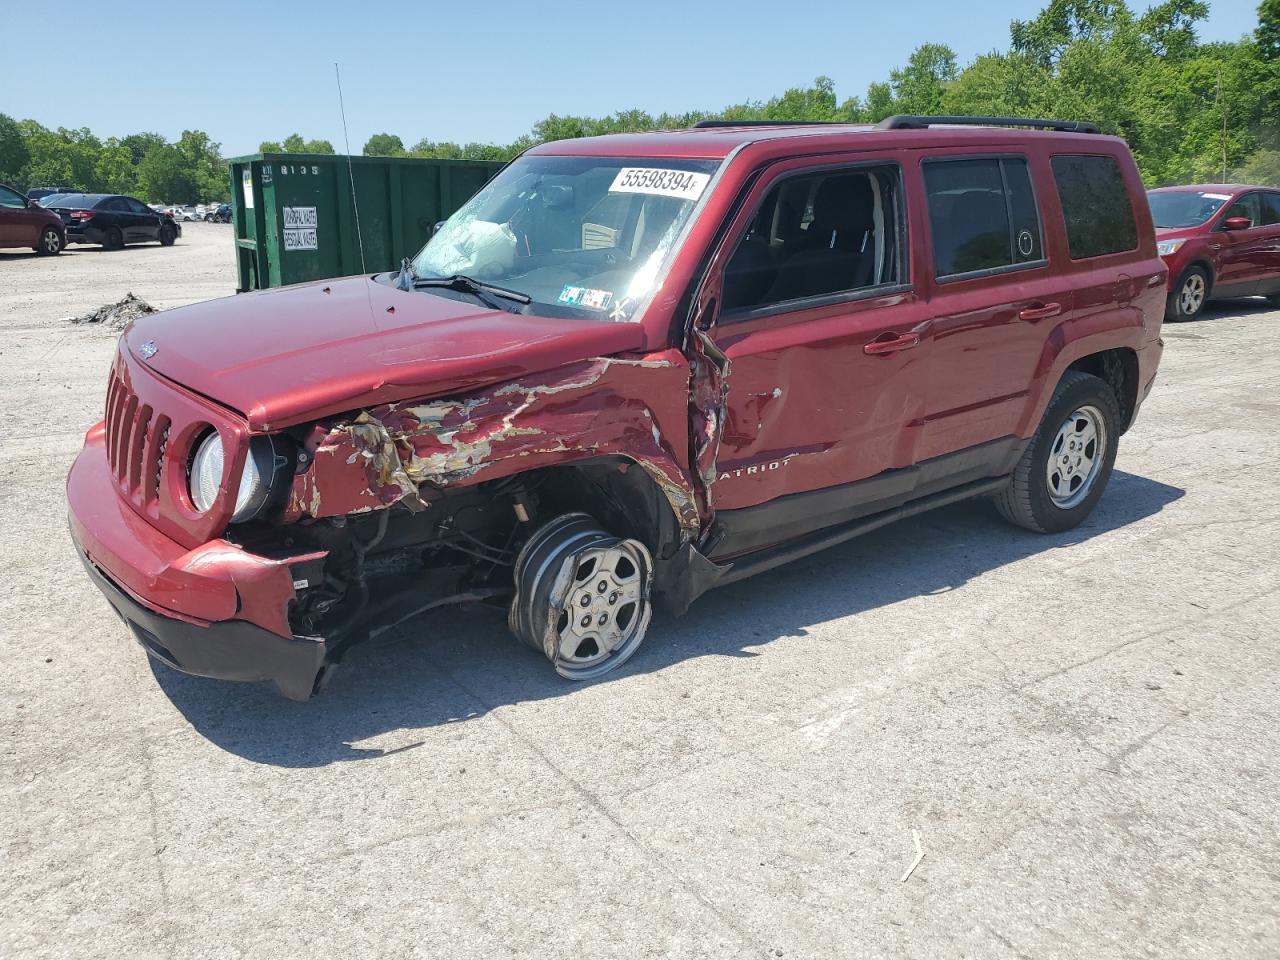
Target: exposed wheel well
[
  {"x": 1119, "y": 368},
  {"x": 1208, "y": 271}
]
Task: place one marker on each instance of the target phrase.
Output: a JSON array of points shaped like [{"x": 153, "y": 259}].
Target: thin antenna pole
[
  {"x": 1222, "y": 101},
  {"x": 346, "y": 140}
]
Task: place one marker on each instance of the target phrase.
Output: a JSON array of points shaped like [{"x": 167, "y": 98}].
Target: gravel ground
[{"x": 1081, "y": 727}]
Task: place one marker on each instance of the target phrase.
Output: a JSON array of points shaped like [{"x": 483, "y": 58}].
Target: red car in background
[
  {"x": 24, "y": 223},
  {"x": 1219, "y": 241}
]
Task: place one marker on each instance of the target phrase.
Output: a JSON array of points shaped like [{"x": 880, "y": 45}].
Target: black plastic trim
[
  {"x": 784, "y": 518},
  {"x": 226, "y": 650}
]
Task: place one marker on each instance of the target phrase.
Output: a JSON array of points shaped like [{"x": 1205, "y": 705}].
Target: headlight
[
  {"x": 260, "y": 468},
  {"x": 1166, "y": 247}
]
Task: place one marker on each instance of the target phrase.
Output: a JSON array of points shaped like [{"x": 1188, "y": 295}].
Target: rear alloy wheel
[
  {"x": 1067, "y": 464},
  {"x": 1190, "y": 296},
  {"x": 167, "y": 235},
  {"x": 50, "y": 243},
  {"x": 582, "y": 596},
  {"x": 114, "y": 239}
]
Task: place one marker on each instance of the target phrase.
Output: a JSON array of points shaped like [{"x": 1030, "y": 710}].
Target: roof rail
[
  {"x": 906, "y": 122},
  {"x": 710, "y": 124}
]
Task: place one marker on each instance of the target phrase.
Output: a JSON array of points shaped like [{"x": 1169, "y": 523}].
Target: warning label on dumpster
[{"x": 300, "y": 228}]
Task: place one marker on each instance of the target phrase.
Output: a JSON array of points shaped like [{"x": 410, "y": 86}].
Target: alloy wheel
[{"x": 1076, "y": 457}]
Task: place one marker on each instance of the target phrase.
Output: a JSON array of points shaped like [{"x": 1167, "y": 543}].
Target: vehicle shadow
[
  {"x": 1219, "y": 310},
  {"x": 459, "y": 664}
]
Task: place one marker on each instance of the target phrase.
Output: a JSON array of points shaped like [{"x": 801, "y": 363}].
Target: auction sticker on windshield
[{"x": 660, "y": 182}]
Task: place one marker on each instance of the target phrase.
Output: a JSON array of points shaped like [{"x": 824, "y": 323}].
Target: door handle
[
  {"x": 903, "y": 341},
  {"x": 1039, "y": 311}
]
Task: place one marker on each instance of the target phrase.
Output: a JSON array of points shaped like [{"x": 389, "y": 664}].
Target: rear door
[
  {"x": 1269, "y": 283},
  {"x": 993, "y": 298}
]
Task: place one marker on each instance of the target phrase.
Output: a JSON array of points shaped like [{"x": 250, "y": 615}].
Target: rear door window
[
  {"x": 1270, "y": 208},
  {"x": 982, "y": 214},
  {"x": 1095, "y": 205}
]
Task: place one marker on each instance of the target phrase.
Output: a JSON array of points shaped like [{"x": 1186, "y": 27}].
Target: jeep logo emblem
[{"x": 148, "y": 350}]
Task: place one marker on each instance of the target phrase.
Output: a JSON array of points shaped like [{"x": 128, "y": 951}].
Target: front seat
[{"x": 838, "y": 249}]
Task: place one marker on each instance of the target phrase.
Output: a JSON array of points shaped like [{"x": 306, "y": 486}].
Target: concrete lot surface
[{"x": 1081, "y": 728}]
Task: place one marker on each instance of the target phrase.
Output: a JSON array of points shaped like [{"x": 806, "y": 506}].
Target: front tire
[
  {"x": 50, "y": 243},
  {"x": 1067, "y": 464},
  {"x": 1189, "y": 296},
  {"x": 167, "y": 235},
  {"x": 582, "y": 596}
]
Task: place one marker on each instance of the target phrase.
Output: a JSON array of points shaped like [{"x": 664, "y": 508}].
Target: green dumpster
[{"x": 295, "y": 220}]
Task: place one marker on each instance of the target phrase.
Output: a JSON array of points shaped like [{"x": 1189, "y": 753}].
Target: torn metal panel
[
  {"x": 708, "y": 395},
  {"x": 401, "y": 453}
]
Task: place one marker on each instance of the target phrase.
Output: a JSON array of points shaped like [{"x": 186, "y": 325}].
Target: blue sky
[{"x": 245, "y": 72}]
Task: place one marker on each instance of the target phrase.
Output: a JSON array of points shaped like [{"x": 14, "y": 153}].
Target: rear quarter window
[{"x": 1095, "y": 205}]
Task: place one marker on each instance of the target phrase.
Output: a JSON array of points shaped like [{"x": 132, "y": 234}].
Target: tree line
[{"x": 1191, "y": 111}]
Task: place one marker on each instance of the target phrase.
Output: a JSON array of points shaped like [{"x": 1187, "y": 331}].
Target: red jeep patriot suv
[{"x": 630, "y": 369}]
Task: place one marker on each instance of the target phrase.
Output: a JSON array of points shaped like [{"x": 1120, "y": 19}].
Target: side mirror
[
  {"x": 436, "y": 228},
  {"x": 1237, "y": 223}
]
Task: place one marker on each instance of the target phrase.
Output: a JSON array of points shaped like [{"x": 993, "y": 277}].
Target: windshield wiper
[
  {"x": 404, "y": 280},
  {"x": 484, "y": 292}
]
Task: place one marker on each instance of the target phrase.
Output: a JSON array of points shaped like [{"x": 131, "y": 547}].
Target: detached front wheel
[
  {"x": 1068, "y": 462},
  {"x": 582, "y": 596}
]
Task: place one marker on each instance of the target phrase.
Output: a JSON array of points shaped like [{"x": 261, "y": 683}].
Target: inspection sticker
[
  {"x": 661, "y": 182},
  {"x": 300, "y": 228},
  {"x": 586, "y": 297}
]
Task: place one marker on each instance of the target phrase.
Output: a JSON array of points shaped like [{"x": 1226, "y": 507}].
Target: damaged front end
[{"x": 411, "y": 506}]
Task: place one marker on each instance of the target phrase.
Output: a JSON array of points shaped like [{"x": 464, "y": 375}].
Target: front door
[
  {"x": 18, "y": 227},
  {"x": 1243, "y": 258},
  {"x": 825, "y": 343}
]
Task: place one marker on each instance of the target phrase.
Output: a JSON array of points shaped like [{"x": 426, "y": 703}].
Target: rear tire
[
  {"x": 114, "y": 239},
  {"x": 1189, "y": 296},
  {"x": 50, "y": 244},
  {"x": 1068, "y": 462},
  {"x": 167, "y": 235},
  {"x": 582, "y": 596}
]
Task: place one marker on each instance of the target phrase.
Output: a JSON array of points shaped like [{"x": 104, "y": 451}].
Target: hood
[
  {"x": 282, "y": 357},
  {"x": 1172, "y": 233}
]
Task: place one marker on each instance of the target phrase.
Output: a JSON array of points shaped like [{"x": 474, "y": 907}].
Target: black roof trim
[
  {"x": 713, "y": 124},
  {"x": 908, "y": 122}
]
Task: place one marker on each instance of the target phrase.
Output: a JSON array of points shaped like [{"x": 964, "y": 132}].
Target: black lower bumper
[{"x": 227, "y": 650}]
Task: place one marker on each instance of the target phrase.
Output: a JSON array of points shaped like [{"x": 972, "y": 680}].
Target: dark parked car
[
  {"x": 219, "y": 214},
  {"x": 112, "y": 220},
  {"x": 1219, "y": 241},
  {"x": 39, "y": 193},
  {"x": 24, "y": 223}
]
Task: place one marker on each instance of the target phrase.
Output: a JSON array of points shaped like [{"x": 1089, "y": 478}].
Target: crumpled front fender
[{"x": 634, "y": 408}]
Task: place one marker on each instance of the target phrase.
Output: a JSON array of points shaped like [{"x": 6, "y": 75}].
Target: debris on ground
[
  {"x": 919, "y": 856},
  {"x": 117, "y": 314}
]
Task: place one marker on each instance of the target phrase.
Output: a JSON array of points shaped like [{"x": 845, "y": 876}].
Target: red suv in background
[
  {"x": 1219, "y": 241},
  {"x": 24, "y": 223},
  {"x": 630, "y": 369}
]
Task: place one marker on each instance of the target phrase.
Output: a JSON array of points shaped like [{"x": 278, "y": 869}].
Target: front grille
[
  {"x": 136, "y": 438},
  {"x": 150, "y": 429}
]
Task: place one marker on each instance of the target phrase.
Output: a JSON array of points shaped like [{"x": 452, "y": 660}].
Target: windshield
[
  {"x": 1184, "y": 208},
  {"x": 581, "y": 236}
]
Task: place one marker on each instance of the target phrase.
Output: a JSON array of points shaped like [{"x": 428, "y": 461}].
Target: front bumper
[
  {"x": 212, "y": 611},
  {"x": 226, "y": 650}
]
